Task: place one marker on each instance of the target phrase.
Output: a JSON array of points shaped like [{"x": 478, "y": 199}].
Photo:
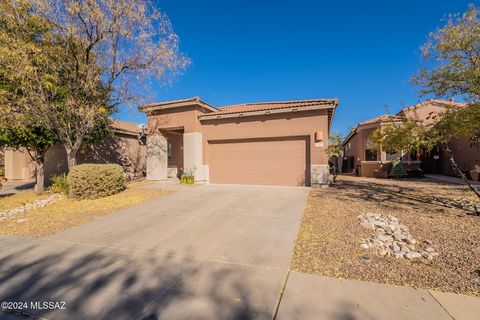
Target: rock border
[
  {"x": 391, "y": 238},
  {"x": 30, "y": 206}
]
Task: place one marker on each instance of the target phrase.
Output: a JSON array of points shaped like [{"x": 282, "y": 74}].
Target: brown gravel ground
[{"x": 330, "y": 234}]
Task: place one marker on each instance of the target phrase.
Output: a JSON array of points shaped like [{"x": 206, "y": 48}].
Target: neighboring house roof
[
  {"x": 382, "y": 119},
  {"x": 434, "y": 102},
  {"x": 398, "y": 116},
  {"x": 125, "y": 127},
  {"x": 175, "y": 104}
]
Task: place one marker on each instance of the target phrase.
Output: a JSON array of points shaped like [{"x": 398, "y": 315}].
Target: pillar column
[
  {"x": 193, "y": 155},
  {"x": 157, "y": 157}
]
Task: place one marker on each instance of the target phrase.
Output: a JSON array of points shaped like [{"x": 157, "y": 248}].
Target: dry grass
[
  {"x": 8, "y": 202},
  {"x": 330, "y": 234},
  {"x": 66, "y": 213}
]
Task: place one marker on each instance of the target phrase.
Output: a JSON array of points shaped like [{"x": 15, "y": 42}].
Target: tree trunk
[
  {"x": 71, "y": 157},
  {"x": 463, "y": 177},
  {"x": 40, "y": 173}
]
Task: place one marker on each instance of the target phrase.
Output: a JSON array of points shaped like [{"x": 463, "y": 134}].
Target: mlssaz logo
[{"x": 47, "y": 305}]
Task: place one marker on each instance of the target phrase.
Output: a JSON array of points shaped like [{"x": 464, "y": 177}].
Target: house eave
[
  {"x": 149, "y": 109},
  {"x": 265, "y": 112}
]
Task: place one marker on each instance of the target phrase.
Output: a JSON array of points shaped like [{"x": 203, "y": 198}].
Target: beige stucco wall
[
  {"x": 356, "y": 145},
  {"x": 18, "y": 165},
  {"x": 198, "y": 133},
  {"x": 304, "y": 123},
  {"x": 466, "y": 155},
  {"x": 122, "y": 149},
  {"x": 185, "y": 118},
  {"x": 428, "y": 114}
]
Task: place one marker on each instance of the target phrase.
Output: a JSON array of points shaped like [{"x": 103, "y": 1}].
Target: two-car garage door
[{"x": 275, "y": 161}]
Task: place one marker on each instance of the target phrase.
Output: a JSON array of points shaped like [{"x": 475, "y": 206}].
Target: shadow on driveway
[{"x": 96, "y": 284}]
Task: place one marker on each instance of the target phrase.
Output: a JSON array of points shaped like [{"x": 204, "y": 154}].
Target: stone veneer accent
[{"x": 319, "y": 174}]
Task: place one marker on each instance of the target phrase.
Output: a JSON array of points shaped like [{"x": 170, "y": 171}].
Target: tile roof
[
  {"x": 126, "y": 127},
  {"x": 384, "y": 118},
  {"x": 435, "y": 102},
  {"x": 172, "y": 103},
  {"x": 260, "y": 106}
]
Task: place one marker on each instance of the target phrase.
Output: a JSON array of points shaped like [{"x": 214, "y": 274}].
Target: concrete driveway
[{"x": 203, "y": 252}]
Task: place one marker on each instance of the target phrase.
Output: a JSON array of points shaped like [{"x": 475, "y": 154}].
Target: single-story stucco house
[
  {"x": 361, "y": 157},
  {"x": 126, "y": 147},
  {"x": 271, "y": 143}
]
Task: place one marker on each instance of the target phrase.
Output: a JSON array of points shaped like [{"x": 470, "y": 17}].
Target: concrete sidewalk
[
  {"x": 309, "y": 296},
  {"x": 12, "y": 187}
]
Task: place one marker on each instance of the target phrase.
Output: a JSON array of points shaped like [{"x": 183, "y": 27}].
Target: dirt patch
[
  {"x": 66, "y": 213},
  {"x": 330, "y": 234}
]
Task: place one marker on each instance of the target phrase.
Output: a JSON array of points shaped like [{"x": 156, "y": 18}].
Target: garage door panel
[{"x": 276, "y": 161}]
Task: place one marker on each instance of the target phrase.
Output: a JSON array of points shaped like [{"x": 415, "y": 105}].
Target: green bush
[
  {"x": 90, "y": 181},
  {"x": 59, "y": 183},
  {"x": 2, "y": 171},
  {"x": 398, "y": 171}
]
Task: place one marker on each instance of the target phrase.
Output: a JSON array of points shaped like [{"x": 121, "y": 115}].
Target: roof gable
[
  {"x": 386, "y": 118},
  {"x": 175, "y": 104},
  {"x": 432, "y": 102}
]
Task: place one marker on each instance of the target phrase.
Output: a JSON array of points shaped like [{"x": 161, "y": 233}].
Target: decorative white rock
[{"x": 392, "y": 238}]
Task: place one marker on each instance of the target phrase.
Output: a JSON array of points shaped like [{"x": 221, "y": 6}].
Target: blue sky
[{"x": 362, "y": 52}]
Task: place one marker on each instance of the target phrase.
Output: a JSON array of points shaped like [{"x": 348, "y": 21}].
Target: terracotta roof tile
[
  {"x": 250, "y": 107},
  {"x": 159, "y": 105},
  {"x": 384, "y": 118},
  {"x": 125, "y": 126},
  {"x": 434, "y": 102}
]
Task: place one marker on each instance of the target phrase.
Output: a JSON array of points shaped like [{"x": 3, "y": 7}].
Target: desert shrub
[
  {"x": 90, "y": 181},
  {"x": 2, "y": 171},
  {"x": 59, "y": 183}
]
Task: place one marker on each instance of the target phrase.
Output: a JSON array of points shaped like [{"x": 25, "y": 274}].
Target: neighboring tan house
[
  {"x": 270, "y": 143},
  {"x": 361, "y": 157},
  {"x": 359, "y": 154},
  {"x": 126, "y": 147}
]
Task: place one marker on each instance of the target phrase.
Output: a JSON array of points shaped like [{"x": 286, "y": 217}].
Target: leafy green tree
[
  {"x": 36, "y": 140},
  {"x": 24, "y": 65},
  {"x": 402, "y": 137},
  {"x": 454, "y": 53}
]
